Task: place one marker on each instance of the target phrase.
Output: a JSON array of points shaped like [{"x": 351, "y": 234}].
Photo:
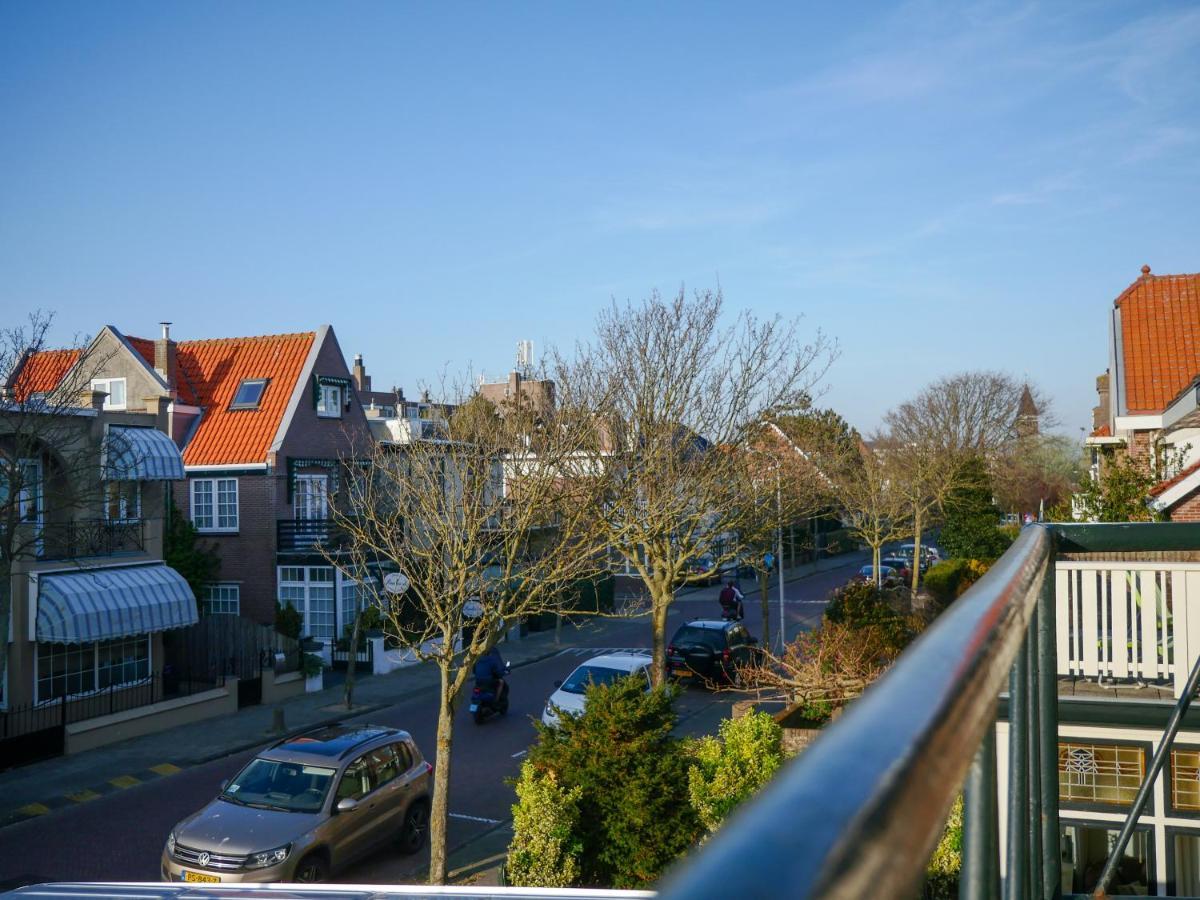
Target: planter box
[{"x": 313, "y": 683}]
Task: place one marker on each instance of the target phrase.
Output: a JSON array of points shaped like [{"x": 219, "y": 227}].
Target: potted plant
[{"x": 312, "y": 667}]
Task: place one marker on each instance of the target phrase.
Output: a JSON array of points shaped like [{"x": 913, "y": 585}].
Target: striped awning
[
  {"x": 100, "y": 604},
  {"x": 139, "y": 454}
]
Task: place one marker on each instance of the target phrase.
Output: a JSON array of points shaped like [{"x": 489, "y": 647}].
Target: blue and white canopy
[
  {"x": 101, "y": 604},
  {"x": 139, "y": 454}
]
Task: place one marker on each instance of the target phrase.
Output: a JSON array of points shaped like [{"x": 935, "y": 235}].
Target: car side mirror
[
  {"x": 558, "y": 684},
  {"x": 347, "y": 804}
]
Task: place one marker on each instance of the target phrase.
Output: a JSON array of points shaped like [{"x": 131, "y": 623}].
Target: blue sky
[{"x": 440, "y": 181}]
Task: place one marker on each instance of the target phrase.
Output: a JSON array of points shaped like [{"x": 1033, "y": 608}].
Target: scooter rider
[
  {"x": 489, "y": 673},
  {"x": 731, "y": 601}
]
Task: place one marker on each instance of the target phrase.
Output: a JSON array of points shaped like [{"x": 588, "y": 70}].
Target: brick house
[
  {"x": 83, "y": 487},
  {"x": 1149, "y": 398},
  {"x": 268, "y": 427}
]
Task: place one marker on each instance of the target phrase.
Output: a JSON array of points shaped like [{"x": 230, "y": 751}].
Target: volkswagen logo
[{"x": 203, "y": 859}]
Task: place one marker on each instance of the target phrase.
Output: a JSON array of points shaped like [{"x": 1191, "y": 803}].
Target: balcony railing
[
  {"x": 859, "y": 813},
  {"x": 90, "y": 537},
  {"x": 308, "y": 535}
]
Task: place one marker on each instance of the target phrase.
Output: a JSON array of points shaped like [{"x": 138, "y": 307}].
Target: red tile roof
[
  {"x": 212, "y": 371},
  {"x": 1160, "y": 334},
  {"x": 144, "y": 347},
  {"x": 1171, "y": 482},
  {"x": 43, "y": 371}
]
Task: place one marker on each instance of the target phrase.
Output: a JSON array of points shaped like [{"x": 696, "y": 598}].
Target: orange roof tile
[
  {"x": 1160, "y": 334},
  {"x": 43, "y": 371},
  {"x": 214, "y": 369},
  {"x": 1102, "y": 431},
  {"x": 144, "y": 347}
]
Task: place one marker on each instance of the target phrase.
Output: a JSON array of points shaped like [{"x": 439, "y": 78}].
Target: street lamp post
[{"x": 779, "y": 556}]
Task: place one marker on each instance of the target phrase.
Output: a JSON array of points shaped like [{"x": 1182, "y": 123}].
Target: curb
[{"x": 78, "y": 796}]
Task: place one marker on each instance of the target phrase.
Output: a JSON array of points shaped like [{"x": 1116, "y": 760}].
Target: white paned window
[
  {"x": 115, "y": 388},
  {"x": 215, "y": 504},
  {"x": 329, "y": 402},
  {"x": 29, "y": 497},
  {"x": 65, "y": 670},
  {"x": 222, "y": 599},
  {"x": 312, "y": 591}
]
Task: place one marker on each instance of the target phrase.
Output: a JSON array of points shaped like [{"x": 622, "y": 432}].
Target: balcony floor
[{"x": 1078, "y": 686}]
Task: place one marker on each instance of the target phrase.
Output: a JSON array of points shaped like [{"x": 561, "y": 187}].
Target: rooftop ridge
[{"x": 1148, "y": 277}]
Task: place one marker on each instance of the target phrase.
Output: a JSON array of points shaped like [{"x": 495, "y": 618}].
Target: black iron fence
[
  {"x": 220, "y": 645},
  {"x": 91, "y": 537},
  {"x": 341, "y": 654},
  {"x": 36, "y": 731}
]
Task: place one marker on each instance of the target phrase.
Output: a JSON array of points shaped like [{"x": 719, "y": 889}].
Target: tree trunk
[
  {"x": 764, "y": 582},
  {"x": 351, "y": 662},
  {"x": 876, "y": 554},
  {"x": 441, "y": 779},
  {"x": 659, "y": 605},
  {"x": 916, "y": 563}
]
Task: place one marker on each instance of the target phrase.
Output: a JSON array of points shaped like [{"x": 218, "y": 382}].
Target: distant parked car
[
  {"x": 710, "y": 650},
  {"x": 902, "y": 566},
  {"x": 306, "y": 807},
  {"x": 570, "y": 695},
  {"x": 886, "y": 574},
  {"x": 701, "y": 570}
]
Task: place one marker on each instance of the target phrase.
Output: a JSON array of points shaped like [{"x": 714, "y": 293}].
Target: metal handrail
[{"x": 859, "y": 813}]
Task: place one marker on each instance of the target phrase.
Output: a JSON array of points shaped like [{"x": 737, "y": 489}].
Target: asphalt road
[{"x": 120, "y": 837}]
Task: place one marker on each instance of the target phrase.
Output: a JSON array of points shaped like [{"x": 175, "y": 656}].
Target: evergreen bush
[{"x": 632, "y": 777}]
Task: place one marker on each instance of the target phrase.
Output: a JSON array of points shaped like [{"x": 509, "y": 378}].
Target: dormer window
[
  {"x": 249, "y": 393},
  {"x": 330, "y": 396}
]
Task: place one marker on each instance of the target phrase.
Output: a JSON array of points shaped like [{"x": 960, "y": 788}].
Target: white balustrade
[{"x": 1128, "y": 620}]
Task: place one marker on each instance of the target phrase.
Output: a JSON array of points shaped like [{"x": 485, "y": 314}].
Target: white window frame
[
  {"x": 304, "y": 605},
  {"x": 105, "y": 384},
  {"x": 212, "y": 489},
  {"x": 223, "y": 598},
  {"x": 38, "y": 700},
  {"x": 334, "y": 392}
]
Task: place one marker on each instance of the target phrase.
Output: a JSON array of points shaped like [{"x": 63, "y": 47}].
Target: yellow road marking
[
  {"x": 165, "y": 769},
  {"x": 83, "y": 796},
  {"x": 34, "y": 809},
  {"x": 123, "y": 781}
]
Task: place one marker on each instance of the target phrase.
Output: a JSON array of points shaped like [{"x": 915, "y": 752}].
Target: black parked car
[{"x": 710, "y": 650}]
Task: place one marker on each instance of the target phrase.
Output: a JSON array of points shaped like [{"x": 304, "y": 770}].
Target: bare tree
[
  {"x": 780, "y": 485},
  {"x": 40, "y": 436},
  {"x": 485, "y": 530},
  {"x": 674, "y": 391},
  {"x": 970, "y": 412}
]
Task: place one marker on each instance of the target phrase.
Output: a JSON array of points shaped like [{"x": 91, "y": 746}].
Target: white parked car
[{"x": 570, "y": 694}]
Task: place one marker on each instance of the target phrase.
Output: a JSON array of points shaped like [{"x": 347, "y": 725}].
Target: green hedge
[{"x": 950, "y": 579}]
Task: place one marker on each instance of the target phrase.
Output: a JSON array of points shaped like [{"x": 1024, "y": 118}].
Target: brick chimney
[
  {"x": 92, "y": 399},
  {"x": 362, "y": 380},
  {"x": 166, "y": 358},
  {"x": 1100, "y": 411}
]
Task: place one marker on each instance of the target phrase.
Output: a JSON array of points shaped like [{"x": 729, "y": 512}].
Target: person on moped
[
  {"x": 731, "y": 601},
  {"x": 489, "y": 674}
]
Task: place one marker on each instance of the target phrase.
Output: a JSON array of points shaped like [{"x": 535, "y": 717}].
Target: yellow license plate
[
  {"x": 200, "y": 876},
  {"x": 683, "y": 673}
]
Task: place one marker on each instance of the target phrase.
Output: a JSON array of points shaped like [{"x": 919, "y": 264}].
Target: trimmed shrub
[
  {"x": 860, "y": 604},
  {"x": 288, "y": 620},
  {"x": 545, "y": 848},
  {"x": 733, "y": 767},
  {"x": 950, "y": 579}
]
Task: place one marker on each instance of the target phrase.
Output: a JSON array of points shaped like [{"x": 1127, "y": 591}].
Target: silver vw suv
[{"x": 306, "y": 807}]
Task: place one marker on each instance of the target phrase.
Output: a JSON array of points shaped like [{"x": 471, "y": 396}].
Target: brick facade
[{"x": 1187, "y": 510}]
